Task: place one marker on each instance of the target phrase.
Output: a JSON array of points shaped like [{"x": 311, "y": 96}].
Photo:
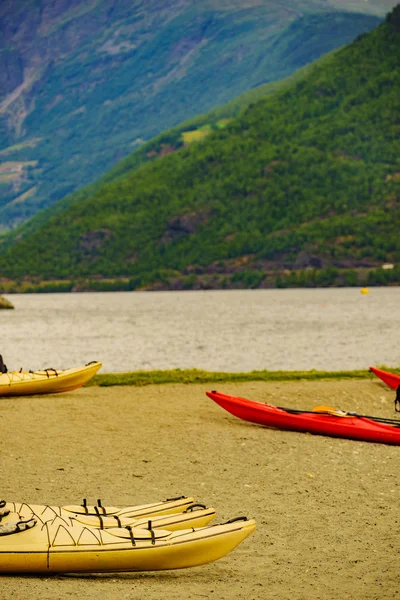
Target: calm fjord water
[{"x": 235, "y": 330}]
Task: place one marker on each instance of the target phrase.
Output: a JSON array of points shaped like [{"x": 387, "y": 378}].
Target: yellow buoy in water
[{"x": 364, "y": 290}]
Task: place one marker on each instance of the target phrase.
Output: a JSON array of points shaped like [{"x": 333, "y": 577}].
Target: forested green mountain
[
  {"x": 85, "y": 82},
  {"x": 167, "y": 142},
  {"x": 302, "y": 188}
]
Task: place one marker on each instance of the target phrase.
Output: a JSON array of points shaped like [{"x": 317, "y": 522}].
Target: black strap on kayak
[
  {"x": 99, "y": 516},
  {"x": 129, "y": 528},
  {"x": 397, "y": 400},
  {"x": 194, "y": 507},
  {"x": 393, "y": 422},
  {"x": 295, "y": 411},
  {"x": 99, "y": 504},
  {"x": 116, "y": 517},
  {"x": 84, "y": 505},
  {"x": 49, "y": 370},
  {"x": 236, "y": 519},
  {"x": 153, "y": 536},
  {"x": 173, "y": 499}
]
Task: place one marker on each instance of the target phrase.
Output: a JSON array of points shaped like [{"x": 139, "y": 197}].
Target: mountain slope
[
  {"x": 167, "y": 142},
  {"x": 84, "y": 83},
  {"x": 307, "y": 178}
]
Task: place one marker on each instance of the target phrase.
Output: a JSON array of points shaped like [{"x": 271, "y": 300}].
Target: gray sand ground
[{"x": 327, "y": 509}]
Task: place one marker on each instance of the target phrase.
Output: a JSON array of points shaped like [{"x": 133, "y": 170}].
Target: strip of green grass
[{"x": 140, "y": 378}]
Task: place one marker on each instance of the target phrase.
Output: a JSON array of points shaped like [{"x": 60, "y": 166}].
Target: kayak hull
[
  {"x": 56, "y": 547},
  {"x": 390, "y": 379},
  {"x": 50, "y": 381},
  {"x": 356, "y": 428}
]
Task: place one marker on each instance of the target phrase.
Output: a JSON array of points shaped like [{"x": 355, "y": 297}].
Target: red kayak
[
  {"x": 390, "y": 379},
  {"x": 340, "y": 424}
]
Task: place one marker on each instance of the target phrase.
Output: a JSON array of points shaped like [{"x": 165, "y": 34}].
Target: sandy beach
[{"x": 327, "y": 510}]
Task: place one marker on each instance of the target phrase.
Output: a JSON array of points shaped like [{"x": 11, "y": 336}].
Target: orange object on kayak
[
  {"x": 390, "y": 379},
  {"x": 353, "y": 426}
]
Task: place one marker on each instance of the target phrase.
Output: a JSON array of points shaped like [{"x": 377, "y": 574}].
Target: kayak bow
[{"x": 390, "y": 379}]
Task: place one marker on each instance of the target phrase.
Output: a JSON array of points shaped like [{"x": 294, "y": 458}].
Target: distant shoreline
[{"x": 242, "y": 279}]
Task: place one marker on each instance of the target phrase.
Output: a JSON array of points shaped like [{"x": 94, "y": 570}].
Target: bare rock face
[{"x": 5, "y": 303}]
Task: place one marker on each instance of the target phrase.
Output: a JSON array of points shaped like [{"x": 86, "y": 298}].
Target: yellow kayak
[
  {"x": 48, "y": 381},
  {"x": 169, "y": 506},
  {"x": 196, "y": 515},
  {"x": 58, "y": 546}
]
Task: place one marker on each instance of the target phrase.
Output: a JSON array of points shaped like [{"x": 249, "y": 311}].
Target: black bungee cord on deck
[{"x": 386, "y": 421}]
